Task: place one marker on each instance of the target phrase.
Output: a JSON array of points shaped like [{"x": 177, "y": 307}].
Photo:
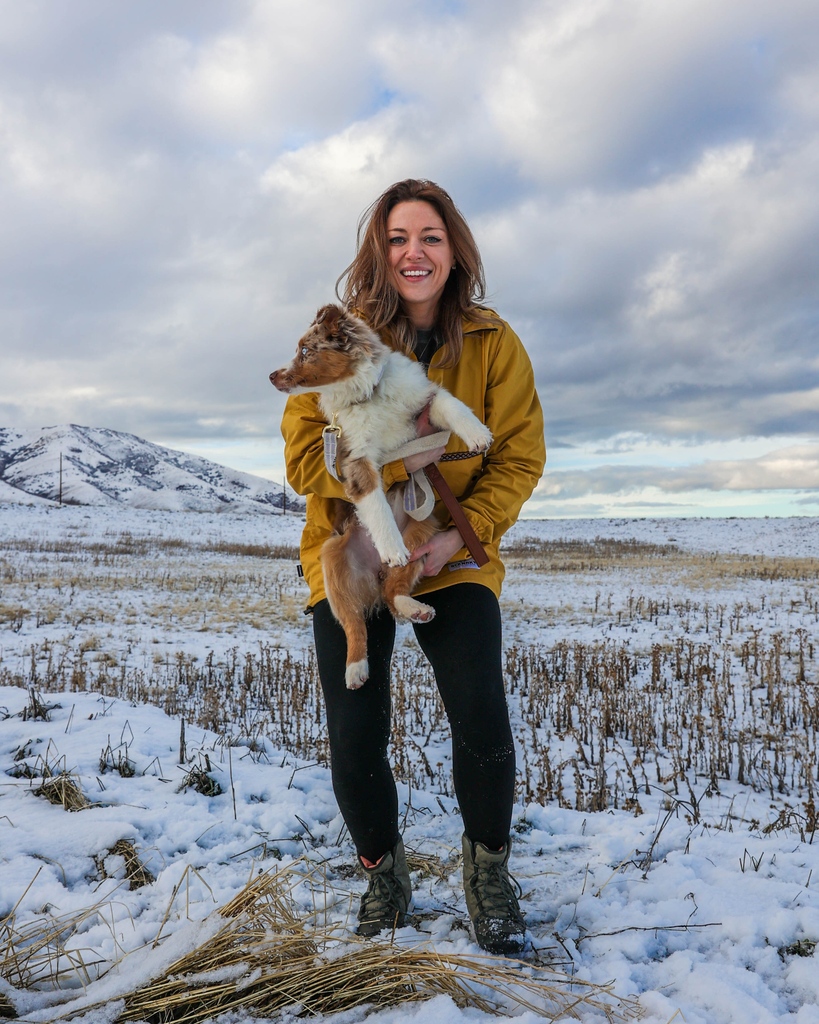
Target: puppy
[{"x": 374, "y": 395}]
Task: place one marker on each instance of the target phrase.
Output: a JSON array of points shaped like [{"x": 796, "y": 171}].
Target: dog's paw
[
  {"x": 395, "y": 556},
  {"x": 413, "y": 611},
  {"x": 477, "y": 440},
  {"x": 357, "y": 674}
]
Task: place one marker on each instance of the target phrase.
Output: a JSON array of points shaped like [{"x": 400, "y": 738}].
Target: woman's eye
[
  {"x": 397, "y": 240},
  {"x": 432, "y": 239}
]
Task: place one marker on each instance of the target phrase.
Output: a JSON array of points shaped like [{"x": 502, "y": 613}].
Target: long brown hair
[{"x": 368, "y": 288}]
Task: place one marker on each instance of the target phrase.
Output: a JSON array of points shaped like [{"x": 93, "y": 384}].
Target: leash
[
  {"x": 420, "y": 480},
  {"x": 431, "y": 474},
  {"x": 470, "y": 538}
]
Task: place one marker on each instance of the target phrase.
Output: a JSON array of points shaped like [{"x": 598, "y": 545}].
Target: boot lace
[
  {"x": 496, "y": 891},
  {"x": 383, "y": 900}
]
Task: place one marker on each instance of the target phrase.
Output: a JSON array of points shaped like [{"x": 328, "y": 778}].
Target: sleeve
[
  {"x": 302, "y": 424},
  {"x": 515, "y": 461}
]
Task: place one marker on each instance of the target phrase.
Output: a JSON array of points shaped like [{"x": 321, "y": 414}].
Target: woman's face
[{"x": 421, "y": 259}]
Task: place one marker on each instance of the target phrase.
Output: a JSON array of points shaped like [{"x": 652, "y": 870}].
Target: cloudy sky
[{"x": 180, "y": 184}]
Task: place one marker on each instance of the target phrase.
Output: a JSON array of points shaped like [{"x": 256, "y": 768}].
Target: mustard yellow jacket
[{"x": 494, "y": 378}]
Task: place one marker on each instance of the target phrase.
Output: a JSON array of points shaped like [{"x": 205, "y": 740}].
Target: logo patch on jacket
[{"x": 465, "y": 563}]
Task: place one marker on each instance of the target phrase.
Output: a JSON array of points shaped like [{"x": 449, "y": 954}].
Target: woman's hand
[
  {"x": 423, "y": 429},
  {"x": 438, "y": 551}
]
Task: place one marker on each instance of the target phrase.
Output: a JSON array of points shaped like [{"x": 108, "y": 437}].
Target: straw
[
  {"x": 265, "y": 956},
  {"x": 264, "y": 959}
]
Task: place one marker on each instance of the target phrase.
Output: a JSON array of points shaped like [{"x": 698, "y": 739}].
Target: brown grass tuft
[
  {"x": 264, "y": 959},
  {"x": 42, "y": 953},
  {"x": 263, "y": 956},
  {"x": 200, "y": 778},
  {"x": 37, "y": 710},
  {"x": 135, "y": 871},
  {"x": 62, "y": 789}
]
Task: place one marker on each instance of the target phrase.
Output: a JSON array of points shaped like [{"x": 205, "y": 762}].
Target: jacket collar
[{"x": 474, "y": 327}]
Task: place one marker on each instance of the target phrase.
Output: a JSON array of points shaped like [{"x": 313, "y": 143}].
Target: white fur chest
[{"x": 375, "y": 427}]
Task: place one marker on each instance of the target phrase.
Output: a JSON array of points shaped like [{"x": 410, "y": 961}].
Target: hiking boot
[
  {"x": 492, "y": 899},
  {"x": 385, "y": 903}
]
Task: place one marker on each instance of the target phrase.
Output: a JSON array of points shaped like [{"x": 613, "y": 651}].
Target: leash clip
[
  {"x": 329, "y": 436},
  {"x": 332, "y": 428}
]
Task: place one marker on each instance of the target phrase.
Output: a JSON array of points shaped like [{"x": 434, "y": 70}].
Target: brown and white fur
[{"x": 376, "y": 396}]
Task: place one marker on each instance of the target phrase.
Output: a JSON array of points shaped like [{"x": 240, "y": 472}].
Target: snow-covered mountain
[{"x": 106, "y": 467}]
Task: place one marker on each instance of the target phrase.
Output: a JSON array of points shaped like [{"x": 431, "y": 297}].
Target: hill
[{"x": 107, "y": 467}]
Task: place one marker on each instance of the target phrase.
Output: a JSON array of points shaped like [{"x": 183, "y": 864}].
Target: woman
[{"x": 417, "y": 279}]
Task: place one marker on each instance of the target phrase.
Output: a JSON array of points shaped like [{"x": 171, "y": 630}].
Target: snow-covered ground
[{"x": 700, "y": 900}]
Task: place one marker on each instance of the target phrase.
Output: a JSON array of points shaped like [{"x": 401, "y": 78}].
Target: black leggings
[{"x": 463, "y": 645}]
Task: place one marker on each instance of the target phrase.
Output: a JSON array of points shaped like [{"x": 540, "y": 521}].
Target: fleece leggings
[{"x": 463, "y": 645}]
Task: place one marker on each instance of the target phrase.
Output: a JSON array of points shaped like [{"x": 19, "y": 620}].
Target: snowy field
[{"x": 664, "y": 688}]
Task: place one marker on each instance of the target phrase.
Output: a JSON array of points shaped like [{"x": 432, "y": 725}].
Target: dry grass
[
  {"x": 559, "y": 556},
  {"x": 55, "y": 782},
  {"x": 136, "y": 874},
  {"x": 599, "y": 724},
  {"x": 200, "y": 778},
  {"x": 37, "y": 710},
  {"x": 262, "y": 958},
  {"x": 126, "y": 545},
  {"x": 76, "y": 582},
  {"x": 64, "y": 790},
  {"x": 427, "y": 865},
  {"x": 117, "y": 761},
  {"x": 43, "y": 953},
  {"x": 603, "y": 554}
]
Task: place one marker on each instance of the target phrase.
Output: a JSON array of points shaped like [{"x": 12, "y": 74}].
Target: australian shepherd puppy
[{"x": 374, "y": 395}]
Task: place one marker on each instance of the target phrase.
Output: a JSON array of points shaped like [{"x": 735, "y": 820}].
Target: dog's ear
[
  {"x": 327, "y": 317},
  {"x": 336, "y": 324}
]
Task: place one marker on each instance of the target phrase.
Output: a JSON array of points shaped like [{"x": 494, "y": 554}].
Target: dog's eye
[{"x": 305, "y": 351}]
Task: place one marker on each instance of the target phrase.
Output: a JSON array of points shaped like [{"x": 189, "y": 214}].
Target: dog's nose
[{"x": 273, "y": 376}]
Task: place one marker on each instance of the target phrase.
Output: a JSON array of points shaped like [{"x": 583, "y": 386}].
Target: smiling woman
[{"x": 417, "y": 280}]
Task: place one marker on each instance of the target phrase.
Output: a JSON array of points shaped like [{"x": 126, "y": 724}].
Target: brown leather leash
[
  {"x": 331, "y": 434},
  {"x": 470, "y": 538}
]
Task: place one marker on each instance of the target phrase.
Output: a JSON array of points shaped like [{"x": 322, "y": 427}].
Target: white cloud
[
  {"x": 604, "y": 90},
  {"x": 795, "y": 468},
  {"x": 181, "y": 186},
  {"x": 276, "y": 72}
]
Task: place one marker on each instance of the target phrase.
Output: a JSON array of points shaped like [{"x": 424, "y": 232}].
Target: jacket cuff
[{"x": 394, "y": 473}]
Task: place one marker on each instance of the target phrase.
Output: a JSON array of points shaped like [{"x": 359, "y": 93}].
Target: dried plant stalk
[
  {"x": 135, "y": 871},
  {"x": 62, "y": 789},
  {"x": 264, "y": 959},
  {"x": 37, "y": 954}
]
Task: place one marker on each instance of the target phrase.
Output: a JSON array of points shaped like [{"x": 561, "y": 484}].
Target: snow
[
  {"x": 688, "y": 903},
  {"x": 9, "y": 494},
  {"x": 97, "y": 466}
]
